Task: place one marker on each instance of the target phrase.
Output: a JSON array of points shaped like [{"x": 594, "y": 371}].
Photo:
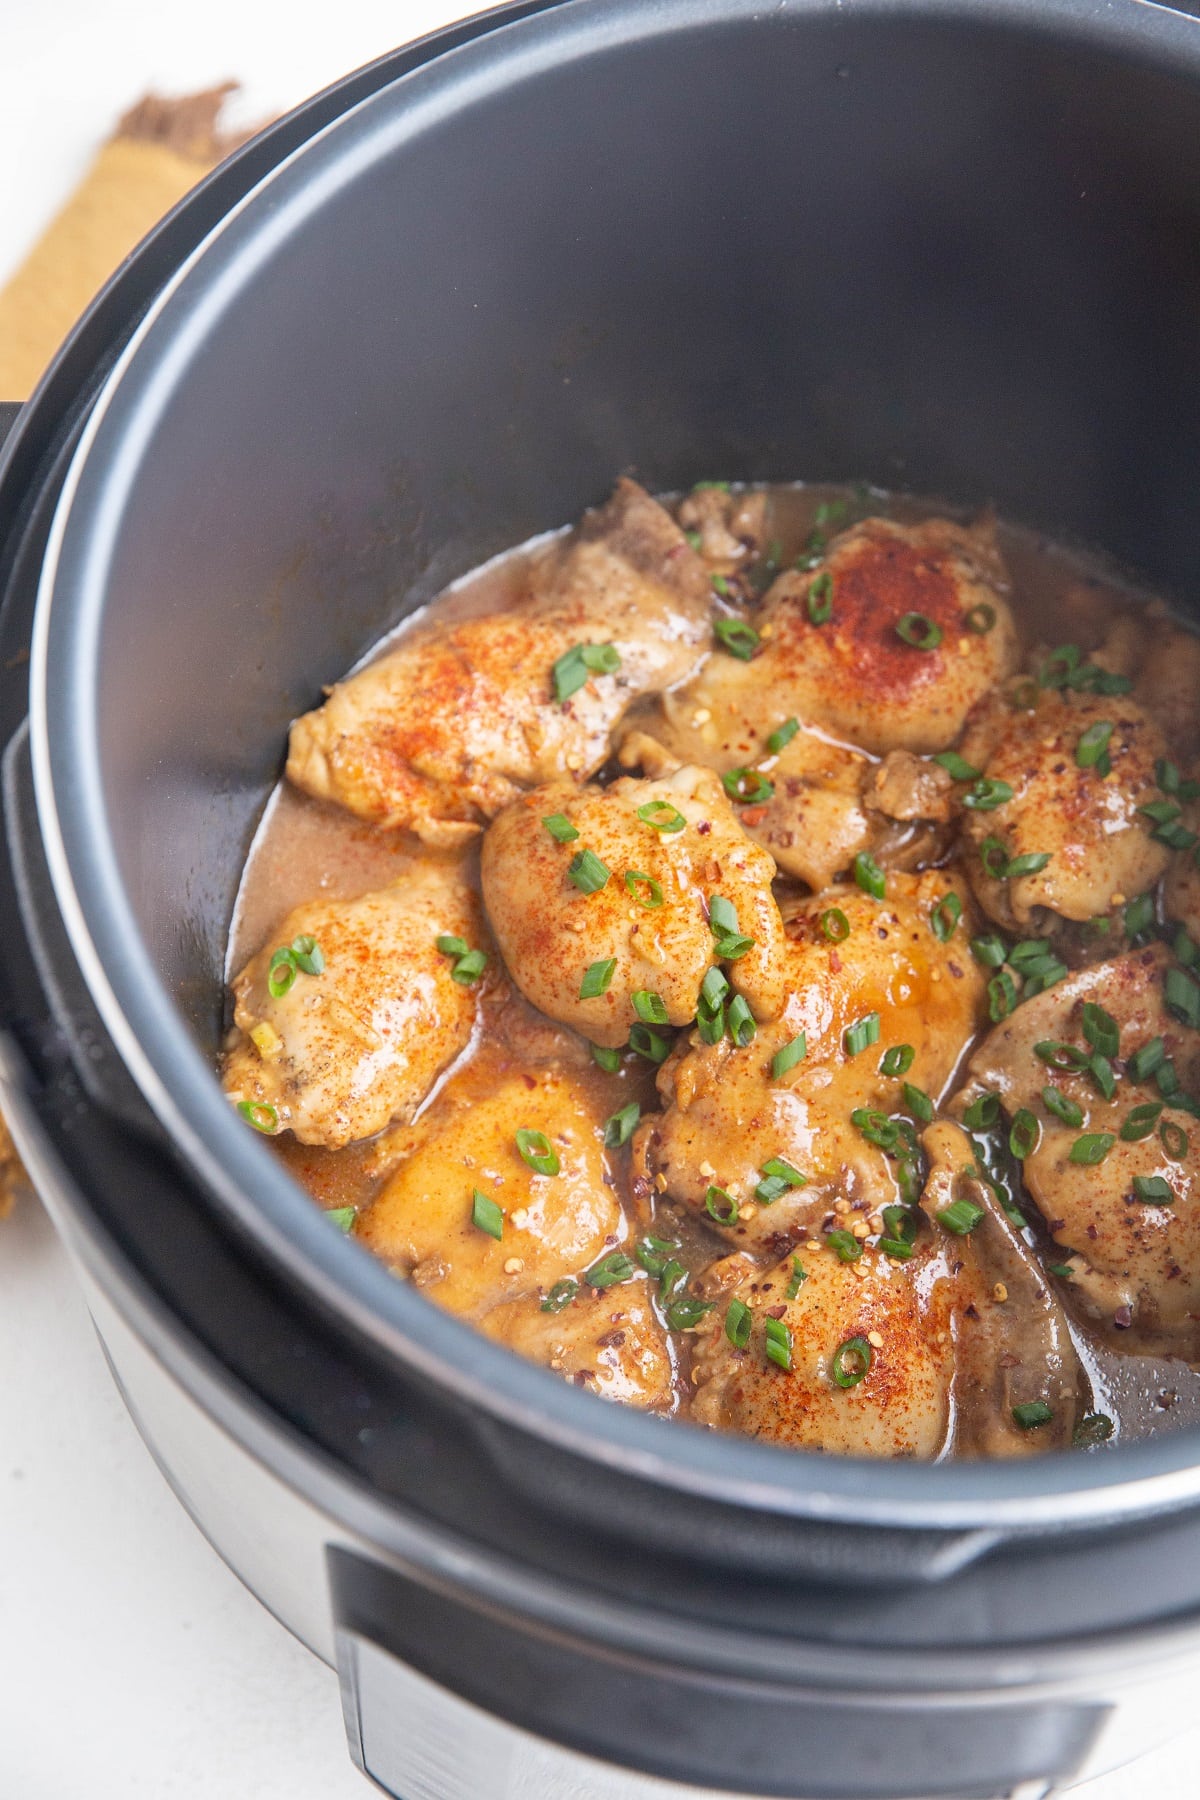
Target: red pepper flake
[
  {"x": 776, "y": 1312},
  {"x": 1123, "y": 1318},
  {"x": 754, "y": 815},
  {"x": 704, "y": 828}
]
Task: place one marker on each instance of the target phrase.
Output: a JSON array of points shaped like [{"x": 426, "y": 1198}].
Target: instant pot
[{"x": 940, "y": 245}]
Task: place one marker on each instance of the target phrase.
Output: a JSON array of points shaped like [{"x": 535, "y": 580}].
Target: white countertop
[{"x": 132, "y": 1663}]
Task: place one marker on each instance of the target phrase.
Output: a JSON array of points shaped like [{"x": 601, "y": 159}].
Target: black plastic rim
[{"x": 141, "y": 1016}]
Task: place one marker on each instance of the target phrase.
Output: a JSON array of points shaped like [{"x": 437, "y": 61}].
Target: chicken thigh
[
  {"x": 1118, "y": 1179},
  {"x": 447, "y": 728},
  {"x": 345, "y": 1019},
  {"x": 854, "y": 969},
  {"x": 1055, "y": 827},
  {"x": 639, "y": 925},
  {"x": 607, "y": 1340}
]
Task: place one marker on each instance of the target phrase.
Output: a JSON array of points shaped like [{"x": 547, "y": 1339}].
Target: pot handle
[{"x": 449, "y": 1693}]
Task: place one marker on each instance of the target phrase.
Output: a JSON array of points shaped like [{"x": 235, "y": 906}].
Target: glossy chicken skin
[
  {"x": 608, "y": 1341},
  {"x": 900, "y": 1407},
  {"x": 554, "y": 1225},
  {"x": 726, "y": 1114},
  {"x": 853, "y": 677},
  {"x": 446, "y": 729},
  {"x": 343, "y": 1053},
  {"x": 550, "y": 932},
  {"x": 1012, "y": 1344},
  {"x": 1135, "y": 1266},
  {"x": 1099, "y": 844}
]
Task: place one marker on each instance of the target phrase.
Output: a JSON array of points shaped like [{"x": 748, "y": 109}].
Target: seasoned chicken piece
[
  {"x": 1168, "y": 682},
  {"x": 727, "y": 529},
  {"x": 849, "y": 961},
  {"x": 337, "y": 1054},
  {"x": 831, "y": 654},
  {"x": 666, "y": 850},
  {"x": 1181, "y": 889},
  {"x": 426, "y": 1222},
  {"x": 1091, "y": 847},
  {"x": 1124, "y": 1208},
  {"x": 838, "y": 1316},
  {"x": 447, "y": 728},
  {"x": 608, "y": 1341},
  {"x": 1012, "y": 1345}
]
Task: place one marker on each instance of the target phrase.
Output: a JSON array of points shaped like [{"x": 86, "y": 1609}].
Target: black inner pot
[{"x": 952, "y": 248}]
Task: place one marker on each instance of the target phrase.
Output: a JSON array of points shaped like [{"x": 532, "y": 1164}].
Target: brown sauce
[{"x": 305, "y": 848}]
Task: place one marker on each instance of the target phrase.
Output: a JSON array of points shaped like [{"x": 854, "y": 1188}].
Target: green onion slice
[
  {"x": 747, "y": 786},
  {"x": 606, "y": 1059},
  {"x": 1093, "y": 1428},
  {"x": 792, "y": 1052},
  {"x": 956, "y": 766},
  {"x": 1032, "y": 1413},
  {"x": 782, "y": 736},
  {"x": 1002, "y": 996},
  {"x": 538, "y": 1152},
  {"x": 560, "y": 828},
  {"x": 610, "y": 1270},
  {"x": 1056, "y": 1101},
  {"x": 576, "y": 664},
  {"x": 943, "y": 920},
  {"x": 1093, "y": 744},
  {"x": 1092, "y": 1148},
  {"x": 819, "y": 599},
  {"x": 835, "y": 926},
  {"x": 736, "y": 636},
  {"x": 738, "y": 1322},
  {"x": 619, "y": 1126},
  {"x": 264, "y": 1118},
  {"x": 661, "y": 815},
  {"x": 1153, "y": 1190},
  {"x": 844, "y": 1244},
  {"x": 990, "y": 950},
  {"x": 1140, "y": 1122},
  {"x": 486, "y": 1215},
  {"x": 798, "y": 1278},
  {"x": 777, "y": 1341},
  {"x": 1066, "y": 1058},
  {"x": 587, "y": 872},
  {"x": 980, "y": 619},
  {"x": 1182, "y": 996},
  {"x": 960, "y": 1217},
  {"x": 470, "y": 967},
  {"x": 310, "y": 958},
  {"x": 281, "y": 974},
  {"x": 919, "y": 630},
  {"x": 898, "y": 1060},
  {"x": 647, "y": 1043},
  {"x": 636, "y": 880},
  {"x": 1023, "y": 1134},
  {"x": 861, "y": 1035},
  {"x": 918, "y": 1102},
  {"x": 740, "y": 1020},
  {"x": 560, "y": 1296},
  {"x": 713, "y": 989},
  {"x": 651, "y": 1008},
  {"x": 721, "y": 1206},
  {"x": 982, "y": 1113},
  {"x": 869, "y": 876},
  {"x": 851, "y": 1362},
  {"x": 778, "y": 1177},
  {"x": 1148, "y": 1060},
  {"x": 987, "y": 795},
  {"x": 876, "y": 1127},
  {"x": 1101, "y": 1029},
  {"x": 1174, "y": 1140},
  {"x": 597, "y": 978}
]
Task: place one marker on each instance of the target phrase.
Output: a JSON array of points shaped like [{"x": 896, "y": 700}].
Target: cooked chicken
[
  {"x": 452, "y": 724},
  {"x": 787, "y": 1388},
  {"x": 725, "y": 528},
  {"x": 609, "y": 1341},
  {"x": 1168, "y": 682},
  {"x": 666, "y": 850},
  {"x": 337, "y": 1054},
  {"x": 1042, "y": 804},
  {"x": 1181, "y": 889},
  {"x": 728, "y": 1115},
  {"x": 1123, "y": 1207},
  {"x": 551, "y": 1225},
  {"x": 1012, "y": 1345}
]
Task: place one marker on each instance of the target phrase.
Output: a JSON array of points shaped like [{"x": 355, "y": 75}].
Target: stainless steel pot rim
[{"x": 142, "y": 1018}]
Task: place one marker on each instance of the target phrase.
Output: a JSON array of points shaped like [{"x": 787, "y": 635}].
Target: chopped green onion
[
  {"x": 308, "y": 954},
  {"x": 1160, "y": 812},
  {"x": 1141, "y": 1122},
  {"x": 845, "y": 1245},
  {"x": 654, "y": 1253},
  {"x": 835, "y": 925},
  {"x": 1063, "y": 1270},
  {"x": 1153, "y": 1190},
  {"x": 1167, "y": 1080},
  {"x": 694, "y": 540},
  {"x": 576, "y": 664},
  {"x": 635, "y": 879},
  {"x": 982, "y": 1112},
  {"x": 747, "y": 786},
  {"x": 918, "y": 1102},
  {"x": 264, "y": 1118},
  {"x": 987, "y": 795},
  {"x": 1175, "y": 836},
  {"x": 661, "y": 815},
  {"x": 1032, "y": 1413},
  {"x": 740, "y": 1021},
  {"x": 720, "y": 586},
  {"x": 960, "y": 1217},
  {"x": 738, "y": 1322},
  {"x": 851, "y": 1361},
  {"x": 281, "y": 974},
  {"x": 980, "y": 619},
  {"x": 560, "y": 1296},
  {"x": 1167, "y": 776},
  {"x": 1182, "y": 996},
  {"x": 486, "y": 1215},
  {"x": 736, "y": 636},
  {"x": 1092, "y": 1148},
  {"x": 1103, "y": 1075},
  {"x": 713, "y": 989},
  {"x": 1066, "y": 1058},
  {"x": 720, "y": 1205},
  {"x": 876, "y": 1127},
  {"x": 649, "y": 1007},
  {"x": 799, "y": 1277},
  {"x": 956, "y": 766},
  {"x": 606, "y": 1059},
  {"x": 1146, "y": 1061},
  {"x": 898, "y": 1060},
  {"x": 710, "y": 1024},
  {"x": 901, "y": 1222},
  {"x": 1093, "y": 745},
  {"x": 782, "y": 736},
  {"x": 537, "y": 1151},
  {"x": 1059, "y": 666},
  {"x": 993, "y": 854},
  {"x": 670, "y": 1276},
  {"x": 778, "y": 1177},
  {"x": 943, "y": 920},
  {"x": 862, "y": 1035},
  {"x": 869, "y": 876},
  {"x": 610, "y": 1270},
  {"x": 1031, "y": 864},
  {"x": 1101, "y": 1029},
  {"x": 1093, "y": 1428},
  {"x": 919, "y": 630},
  {"x": 704, "y": 487},
  {"x": 470, "y": 967},
  {"x": 991, "y": 950},
  {"x": 451, "y": 946},
  {"x": 1139, "y": 916},
  {"x": 1023, "y": 1134},
  {"x": 1184, "y": 950},
  {"x": 1002, "y": 996},
  {"x": 1062, "y": 1108},
  {"x": 587, "y": 872},
  {"x": 560, "y": 828},
  {"x": 619, "y": 1126},
  {"x": 1174, "y": 1140},
  {"x": 787, "y": 1058},
  {"x": 819, "y": 599},
  {"x": 647, "y": 1043},
  {"x": 895, "y": 1247},
  {"x": 777, "y": 1341}
]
